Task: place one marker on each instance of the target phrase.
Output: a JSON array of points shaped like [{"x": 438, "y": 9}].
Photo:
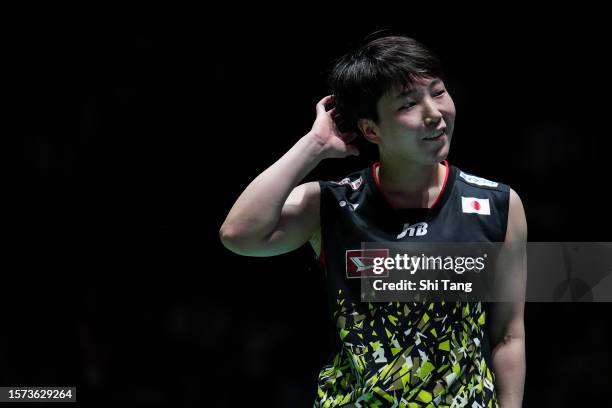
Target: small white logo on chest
[
  {"x": 352, "y": 206},
  {"x": 477, "y": 180}
]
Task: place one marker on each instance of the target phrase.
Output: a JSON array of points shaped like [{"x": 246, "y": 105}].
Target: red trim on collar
[{"x": 377, "y": 181}]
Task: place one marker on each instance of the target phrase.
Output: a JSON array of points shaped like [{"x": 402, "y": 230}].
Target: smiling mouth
[{"x": 436, "y": 135}]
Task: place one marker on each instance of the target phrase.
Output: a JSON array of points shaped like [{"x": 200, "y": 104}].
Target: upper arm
[
  {"x": 507, "y": 317},
  {"x": 298, "y": 223},
  {"x": 517, "y": 223}
]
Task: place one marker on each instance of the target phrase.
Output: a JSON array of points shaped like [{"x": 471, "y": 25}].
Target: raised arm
[{"x": 273, "y": 216}]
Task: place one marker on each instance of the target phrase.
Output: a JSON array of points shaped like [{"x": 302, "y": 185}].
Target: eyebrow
[{"x": 410, "y": 91}]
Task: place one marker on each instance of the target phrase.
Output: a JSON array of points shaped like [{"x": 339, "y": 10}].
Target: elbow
[
  {"x": 237, "y": 241},
  {"x": 507, "y": 340},
  {"x": 512, "y": 338},
  {"x": 226, "y": 234},
  {"x": 230, "y": 238}
]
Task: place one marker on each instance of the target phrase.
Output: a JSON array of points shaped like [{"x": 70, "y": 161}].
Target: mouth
[{"x": 437, "y": 135}]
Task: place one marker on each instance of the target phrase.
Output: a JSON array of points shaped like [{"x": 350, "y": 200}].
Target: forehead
[
  {"x": 420, "y": 83},
  {"x": 399, "y": 92}
]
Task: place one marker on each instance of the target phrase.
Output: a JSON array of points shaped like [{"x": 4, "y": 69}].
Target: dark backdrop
[{"x": 129, "y": 134}]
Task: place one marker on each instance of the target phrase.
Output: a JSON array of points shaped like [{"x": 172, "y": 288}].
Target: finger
[
  {"x": 323, "y": 102},
  {"x": 338, "y": 120}
]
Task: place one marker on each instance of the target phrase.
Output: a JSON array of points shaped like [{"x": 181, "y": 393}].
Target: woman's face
[{"x": 416, "y": 123}]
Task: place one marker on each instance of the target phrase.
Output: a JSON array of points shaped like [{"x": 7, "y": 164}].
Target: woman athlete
[{"x": 391, "y": 91}]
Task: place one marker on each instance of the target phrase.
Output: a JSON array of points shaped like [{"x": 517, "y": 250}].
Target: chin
[{"x": 441, "y": 154}]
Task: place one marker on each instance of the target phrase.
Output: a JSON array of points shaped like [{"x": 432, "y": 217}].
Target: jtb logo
[
  {"x": 418, "y": 230},
  {"x": 360, "y": 262}
]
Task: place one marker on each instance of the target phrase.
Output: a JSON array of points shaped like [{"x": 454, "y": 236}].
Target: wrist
[{"x": 314, "y": 147}]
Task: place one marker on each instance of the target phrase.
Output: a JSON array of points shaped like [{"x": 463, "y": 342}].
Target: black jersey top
[{"x": 406, "y": 354}]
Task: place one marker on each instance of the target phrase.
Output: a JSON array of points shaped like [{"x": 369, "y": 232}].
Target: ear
[{"x": 369, "y": 130}]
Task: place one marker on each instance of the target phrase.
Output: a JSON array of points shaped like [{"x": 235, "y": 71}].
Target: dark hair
[{"x": 361, "y": 77}]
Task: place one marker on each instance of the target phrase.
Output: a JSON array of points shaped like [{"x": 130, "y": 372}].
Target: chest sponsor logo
[
  {"x": 360, "y": 262},
  {"x": 354, "y": 184},
  {"x": 475, "y": 205},
  {"x": 414, "y": 230},
  {"x": 477, "y": 180}
]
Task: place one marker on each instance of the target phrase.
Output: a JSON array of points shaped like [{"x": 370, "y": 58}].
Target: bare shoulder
[
  {"x": 308, "y": 197},
  {"x": 305, "y": 194},
  {"x": 517, "y": 222},
  {"x": 299, "y": 220},
  {"x": 310, "y": 193}
]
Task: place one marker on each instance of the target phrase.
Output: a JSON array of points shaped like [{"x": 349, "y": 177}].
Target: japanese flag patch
[{"x": 475, "y": 205}]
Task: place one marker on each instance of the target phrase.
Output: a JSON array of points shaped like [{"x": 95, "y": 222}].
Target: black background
[{"x": 129, "y": 134}]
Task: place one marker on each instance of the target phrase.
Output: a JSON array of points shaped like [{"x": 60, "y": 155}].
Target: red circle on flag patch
[{"x": 476, "y": 205}]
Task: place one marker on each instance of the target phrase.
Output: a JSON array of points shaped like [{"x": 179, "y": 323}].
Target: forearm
[
  {"x": 510, "y": 367},
  {"x": 257, "y": 210}
]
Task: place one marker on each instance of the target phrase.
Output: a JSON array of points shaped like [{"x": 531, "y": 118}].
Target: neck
[{"x": 408, "y": 184}]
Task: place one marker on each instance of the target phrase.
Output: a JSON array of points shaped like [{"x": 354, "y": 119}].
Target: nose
[
  {"x": 431, "y": 121},
  {"x": 431, "y": 114}
]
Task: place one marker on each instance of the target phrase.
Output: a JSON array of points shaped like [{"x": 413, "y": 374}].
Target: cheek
[
  {"x": 448, "y": 116},
  {"x": 412, "y": 122},
  {"x": 450, "y": 108},
  {"x": 400, "y": 124}
]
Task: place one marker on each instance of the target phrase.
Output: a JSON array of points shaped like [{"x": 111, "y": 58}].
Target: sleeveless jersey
[{"x": 399, "y": 354}]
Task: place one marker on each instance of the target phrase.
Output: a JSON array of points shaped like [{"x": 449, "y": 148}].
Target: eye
[
  {"x": 440, "y": 92},
  {"x": 408, "y": 105}
]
